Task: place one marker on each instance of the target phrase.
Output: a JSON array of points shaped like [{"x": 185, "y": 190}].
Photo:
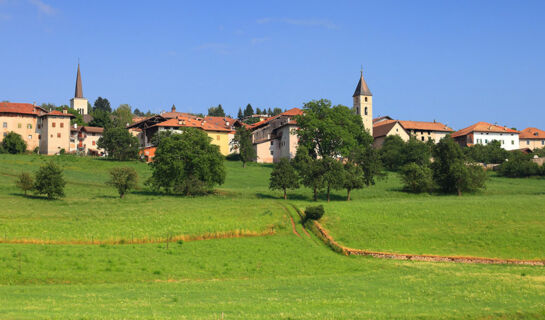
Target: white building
[{"x": 484, "y": 133}]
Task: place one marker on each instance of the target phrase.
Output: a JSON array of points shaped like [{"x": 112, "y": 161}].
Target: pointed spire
[
  {"x": 361, "y": 88},
  {"x": 79, "y": 89}
]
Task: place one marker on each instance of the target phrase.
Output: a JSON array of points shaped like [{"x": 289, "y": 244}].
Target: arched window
[
  {"x": 365, "y": 110},
  {"x": 365, "y": 99}
]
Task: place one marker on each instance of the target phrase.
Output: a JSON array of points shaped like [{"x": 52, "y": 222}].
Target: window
[
  {"x": 218, "y": 138},
  {"x": 94, "y": 143},
  {"x": 527, "y": 142},
  {"x": 5, "y": 134},
  {"x": 39, "y": 136},
  {"x": 365, "y": 99},
  {"x": 503, "y": 142},
  {"x": 39, "y": 126},
  {"x": 422, "y": 138},
  {"x": 5, "y": 125},
  {"x": 365, "y": 110},
  {"x": 62, "y": 124},
  {"x": 485, "y": 140},
  {"x": 53, "y": 124},
  {"x": 272, "y": 153},
  {"x": 512, "y": 141},
  {"x": 543, "y": 142},
  {"x": 19, "y": 125},
  {"x": 272, "y": 142},
  {"x": 58, "y": 135},
  {"x": 29, "y": 126},
  {"x": 29, "y": 137}
]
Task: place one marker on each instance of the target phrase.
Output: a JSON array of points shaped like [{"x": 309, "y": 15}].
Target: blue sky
[{"x": 458, "y": 62}]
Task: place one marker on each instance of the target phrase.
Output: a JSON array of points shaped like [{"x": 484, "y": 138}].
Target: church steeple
[
  {"x": 363, "y": 104},
  {"x": 79, "y": 89},
  {"x": 78, "y": 102},
  {"x": 361, "y": 88}
]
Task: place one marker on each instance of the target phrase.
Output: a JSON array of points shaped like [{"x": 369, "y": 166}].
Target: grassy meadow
[{"x": 279, "y": 276}]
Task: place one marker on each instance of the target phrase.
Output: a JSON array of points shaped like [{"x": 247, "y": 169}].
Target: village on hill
[{"x": 53, "y": 131}]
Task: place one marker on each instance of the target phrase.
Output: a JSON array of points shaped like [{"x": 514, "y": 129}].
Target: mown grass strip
[{"x": 174, "y": 238}]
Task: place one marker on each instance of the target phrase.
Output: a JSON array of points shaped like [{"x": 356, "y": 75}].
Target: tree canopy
[
  {"x": 119, "y": 143},
  {"x": 284, "y": 177},
  {"x": 216, "y": 111},
  {"x": 102, "y": 104},
  {"x": 122, "y": 116},
  {"x": 243, "y": 143},
  {"x": 13, "y": 143},
  {"x": 50, "y": 181},
  {"x": 187, "y": 163}
]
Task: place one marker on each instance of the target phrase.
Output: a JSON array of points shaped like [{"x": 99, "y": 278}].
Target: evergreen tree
[
  {"x": 249, "y": 111},
  {"x": 240, "y": 115},
  {"x": 102, "y": 104},
  {"x": 257, "y": 111},
  {"x": 243, "y": 143},
  {"x": 216, "y": 111}
]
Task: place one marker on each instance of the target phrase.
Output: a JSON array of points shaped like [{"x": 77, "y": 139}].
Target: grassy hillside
[{"x": 279, "y": 276}]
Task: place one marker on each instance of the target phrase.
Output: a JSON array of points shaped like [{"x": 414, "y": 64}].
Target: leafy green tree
[
  {"x": 249, "y": 111},
  {"x": 123, "y": 179},
  {"x": 156, "y": 138},
  {"x": 101, "y": 119},
  {"x": 102, "y": 104},
  {"x": 451, "y": 170},
  {"x": 489, "y": 153},
  {"x": 187, "y": 163},
  {"x": 519, "y": 165},
  {"x": 240, "y": 115},
  {"x": 354, "y": 178},
  {"x": 50, "y": 181},
  {"x": 13, "y": 143},
  {"x": 310, "y": 170},
  {"x": 334, "y": 175},
  {"x": 216, "y": 111},
  {"x": 417, "y": 152},
  {"x": 392, "y": 151},
  {"x": 122, "y": 116},
  {"x": 243, "y": 143},
  {"x": 417, "y": 178},
  {"x": 283, "y": 177},
  {"x": 119, "y": 144},
  {"x": 25, "y": 182}
]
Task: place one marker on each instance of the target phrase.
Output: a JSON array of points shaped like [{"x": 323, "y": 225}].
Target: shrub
[
  {"x": 417, "y": 178},
  {"x": 25, "y": 182},
  {"x": 314, "y": 213},
  {"x": 123, "y": 179},
  {"x": 13, "y": 143},
  {"x": 518, "y": 165},
  {"x": 233, "y": 157},
  {"x": 49, "y": 181}
]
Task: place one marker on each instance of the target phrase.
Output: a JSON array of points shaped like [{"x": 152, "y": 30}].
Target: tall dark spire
[
  {"x": 362, "y": 89},
  {"x": 79, "y": 89}
]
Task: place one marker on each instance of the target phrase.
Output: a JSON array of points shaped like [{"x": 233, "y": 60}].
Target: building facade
[
  {"x": 532, "y": 138},
  {"x": 84, "y": 140},
  {"x": 484, "y": 133}
]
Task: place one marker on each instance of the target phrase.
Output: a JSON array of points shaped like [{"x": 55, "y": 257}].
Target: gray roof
[
  {"x": 79, "y": 89},
  {"x": 361, "y": 88}
]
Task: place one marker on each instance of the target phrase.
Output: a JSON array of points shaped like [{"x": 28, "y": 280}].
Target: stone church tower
[
  {"x": 79, "y": 102},
  {"x": 363, "y": 104}
]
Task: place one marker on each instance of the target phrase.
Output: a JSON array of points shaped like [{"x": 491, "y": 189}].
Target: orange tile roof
[
  {"x": 423, "y": 125},
  {"x": 59, "y": 113},
  {"x": 532, "y": 133},
  {"x": 192, "y": 123},
  {"x": 20, "y": 108},
  {"x": 92, "y": 129},
  {"x": 291, "y": 112},
  {"x": 483, "y": 127}
]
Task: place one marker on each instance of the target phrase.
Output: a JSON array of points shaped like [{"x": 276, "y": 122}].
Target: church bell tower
[{"x": 363, "y": 104}]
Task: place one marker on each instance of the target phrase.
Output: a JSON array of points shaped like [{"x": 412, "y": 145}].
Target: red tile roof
[
  {"x": 59, "y": 113},
  {"x": 92, "y": 129},
  {"x": 532, "y": 133},
  {"x": 483, "y": 127},
  {"x": 20, "y": 108}
]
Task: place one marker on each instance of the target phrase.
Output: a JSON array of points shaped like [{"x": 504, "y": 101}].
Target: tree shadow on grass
[
  {"x": 31, "y": 196},
  {"x": 105, "y": 197},
  {"x": 281, "y": 197}
]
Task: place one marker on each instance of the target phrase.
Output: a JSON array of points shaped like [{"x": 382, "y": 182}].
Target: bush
[
  {"x": 417, "y": 178},
  {"x": 49, "y": 181},
  {"x": 518, "y": 165},
  {"x": 314, "y": 213},
  {"x": 123, "y": 179},
  {"x": 13, "y": 143},
  {"x": 233, "y": 157},
  {"x": 25, "y": 182}
]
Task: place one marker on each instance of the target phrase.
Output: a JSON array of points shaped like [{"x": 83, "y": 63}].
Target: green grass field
[{"x": 281, "y": 276}]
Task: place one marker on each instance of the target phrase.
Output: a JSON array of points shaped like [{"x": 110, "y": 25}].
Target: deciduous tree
[
  {"x": 123, "y": 179},
  {"x": 13, "y": 143},
  {"x": 283, "y": 177},
  {"x": 50, "y": 181},
  {"x": 119, "y": 143},
  {"x": 25, "y": 182}
]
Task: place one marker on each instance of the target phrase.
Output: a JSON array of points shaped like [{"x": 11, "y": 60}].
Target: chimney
[{"x": 64, "y": 111}]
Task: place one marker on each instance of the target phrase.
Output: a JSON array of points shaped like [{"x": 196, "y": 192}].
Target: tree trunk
[
  {"x": 348, "y": 195},
  {"x": 315, "y": 194},
  {"x": 285, "y": 195},
  {"x": 459, "y": 192},
  {"x": 121, "y": 195},
  {"x": 328, "y": 188},
  {"x": 244, "y": 164}
]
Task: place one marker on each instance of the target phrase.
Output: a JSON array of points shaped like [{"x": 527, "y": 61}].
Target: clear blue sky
[{"x": 458, "y": 62}]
